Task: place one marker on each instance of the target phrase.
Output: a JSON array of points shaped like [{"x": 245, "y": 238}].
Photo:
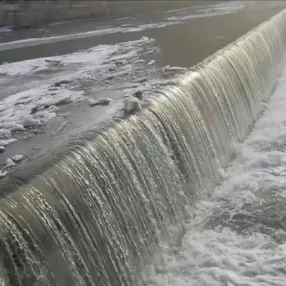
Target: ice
[
  {"x": 131, "y": 104},
  {"x": 101, "y": 101},
  {"x": 2, "y": 149},
  {"x": 37, "y": 101},
  {"x": 17, "y": 158},
  {"x": 29, "y": 121},
  {"x": 94, "y": 57},
  {"x": 10, "y": 163},
  {"x": 152, "y": 62},
  {"x": 211, "y": 11},
  {"x": 238, "y": 235},
  {"x": 3, "y": 173},
  {"x": 5, "y": 29},
  {"x": 7, "y": 142},
  {"x": 4, "y": 133},
  {"x": 103, "y": 31},
  {"x": 173, "y": 69}
]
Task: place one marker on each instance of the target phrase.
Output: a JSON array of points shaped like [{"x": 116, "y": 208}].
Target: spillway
[{"x": 97, "y": 215}]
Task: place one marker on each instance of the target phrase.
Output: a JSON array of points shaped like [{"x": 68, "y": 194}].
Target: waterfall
[{"x": 96, "y": 216}]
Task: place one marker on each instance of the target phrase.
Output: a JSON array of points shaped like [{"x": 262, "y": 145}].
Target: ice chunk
[
  {"x": 30, "y": 121},
  {"x": 2, "y": 149},
  {"x": 10, "y": 163},
  {"x": 7, "y": 142},
  {"x": 3, "y": 173},
  {"x": 17, "y": 158},
  {"x": 101, "y": 101},
  {"x": 12, "y": 126},
  {"x": 151, "y": 63},
  {"x": 4, "y": 133},
  {"x": 131, "y": 104},
  {"x": 173, "y": 69}
]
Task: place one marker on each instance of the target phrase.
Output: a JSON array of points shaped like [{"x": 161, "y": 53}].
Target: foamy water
[{"x": 237, "y": 236}]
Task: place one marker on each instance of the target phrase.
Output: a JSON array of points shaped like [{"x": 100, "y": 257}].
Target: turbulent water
[
  {"x": 237, "y": 236},
  {"x": 99, "y": 215}
]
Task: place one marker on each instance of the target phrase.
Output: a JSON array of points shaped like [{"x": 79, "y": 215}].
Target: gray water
[{"x": 98, "y": 215}]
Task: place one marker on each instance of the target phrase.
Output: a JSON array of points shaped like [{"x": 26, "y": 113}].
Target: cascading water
[{"x": 97, "y": 216}]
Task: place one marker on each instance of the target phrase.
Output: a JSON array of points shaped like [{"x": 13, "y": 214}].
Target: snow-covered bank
[{"x": 238, "y": 235}]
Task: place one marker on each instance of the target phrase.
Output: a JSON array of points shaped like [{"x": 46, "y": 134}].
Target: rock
[
  {"x": 62, "y": 101},
  {"x": 17, "y": 158},
  {"x": 138, "y": 94},
  {"x": 101, "y": 101},
  {"x": 2, "y": 149},
  {"x": 10, "y": 163},
  {"x": 131, "y": 105},
  {"x": 34, "y": 110},
  {"x": 110, "y": 77}
]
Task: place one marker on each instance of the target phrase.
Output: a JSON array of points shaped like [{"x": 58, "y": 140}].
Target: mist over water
[{"x": 100, "y": 215}]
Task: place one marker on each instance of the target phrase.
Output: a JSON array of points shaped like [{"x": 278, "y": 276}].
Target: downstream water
[
  {"x": 237, "y": 235},
  {"x": 99, "y": 215}
]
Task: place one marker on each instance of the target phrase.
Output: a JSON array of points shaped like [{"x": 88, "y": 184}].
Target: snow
[{"x": 238, "y": 235}]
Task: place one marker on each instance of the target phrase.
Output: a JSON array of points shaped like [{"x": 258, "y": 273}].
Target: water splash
[{"x": 96, "y": 217}]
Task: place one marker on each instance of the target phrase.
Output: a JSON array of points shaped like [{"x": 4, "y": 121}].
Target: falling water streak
[{"x": 97, "y": 216}]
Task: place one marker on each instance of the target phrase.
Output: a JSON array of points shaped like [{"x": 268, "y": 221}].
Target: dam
[{"x": 99, "y": 213}]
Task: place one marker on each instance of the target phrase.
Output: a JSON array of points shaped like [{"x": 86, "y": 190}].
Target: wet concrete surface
[{"x": 184, "y": 43}]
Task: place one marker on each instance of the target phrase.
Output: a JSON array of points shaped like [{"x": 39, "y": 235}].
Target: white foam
[{"x": 238, "y": 235}]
